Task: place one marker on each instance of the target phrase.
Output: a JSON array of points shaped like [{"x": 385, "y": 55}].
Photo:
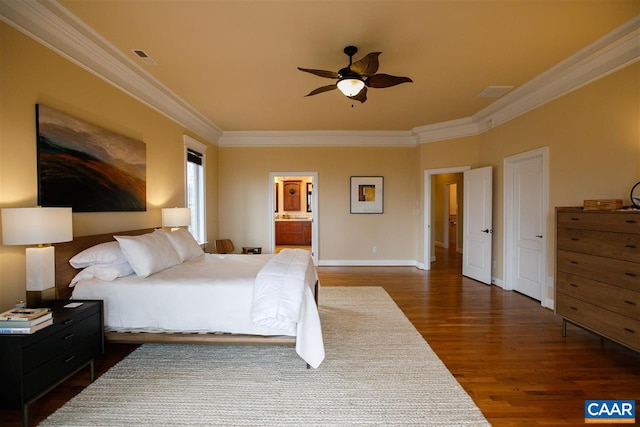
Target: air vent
[
  {"x": 494, "y": 91},
  {"x": 144, "y": 56}
]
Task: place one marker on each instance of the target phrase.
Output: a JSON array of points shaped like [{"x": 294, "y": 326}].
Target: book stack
[{"x": 25, "y": 320}]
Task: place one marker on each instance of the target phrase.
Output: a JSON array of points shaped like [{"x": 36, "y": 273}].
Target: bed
[{"x": 204, "y": 298}]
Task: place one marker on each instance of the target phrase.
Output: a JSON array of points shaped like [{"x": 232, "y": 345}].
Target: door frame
[
  {"x": 314, "y": 211},
  {"x": 509, "y": 211},
  {"x": 428, "y": 214}
]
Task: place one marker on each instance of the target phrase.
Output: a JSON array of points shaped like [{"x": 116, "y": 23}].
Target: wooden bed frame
[{"x": 65, "y": 272}]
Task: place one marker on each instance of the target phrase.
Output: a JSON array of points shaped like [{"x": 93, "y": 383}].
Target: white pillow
[
  {"x": 184, "y": 243},
  {"x": 104, "y": 253},
  {"x": 107, "y": 272},
  {"x": 148, "y": 253}
]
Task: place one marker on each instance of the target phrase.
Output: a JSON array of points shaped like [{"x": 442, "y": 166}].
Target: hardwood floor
[{"x": 504, "y": 348}]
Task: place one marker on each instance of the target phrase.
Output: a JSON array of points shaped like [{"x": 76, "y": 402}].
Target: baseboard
[
  {"x": 367, "y": 263},
  {"x": 497, "y": 282}
]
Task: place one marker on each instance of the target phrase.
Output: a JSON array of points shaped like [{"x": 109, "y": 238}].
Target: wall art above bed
[{"x": 87, "y": 167}]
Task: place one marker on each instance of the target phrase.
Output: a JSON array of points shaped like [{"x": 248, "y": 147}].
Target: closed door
[{"x": 528, "y": 227}]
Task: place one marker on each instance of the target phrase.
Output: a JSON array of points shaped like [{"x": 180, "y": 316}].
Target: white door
[
  {"x": 528, "y": 260},
  {"x": 477, "y": 219}
]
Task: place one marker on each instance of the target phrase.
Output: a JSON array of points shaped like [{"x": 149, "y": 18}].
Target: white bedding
[{"x": 211, "y": 293}]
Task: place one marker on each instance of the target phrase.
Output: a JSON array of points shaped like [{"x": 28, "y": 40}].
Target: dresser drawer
[
  {"x": 63, "y": 364},
  {"x": 74, "y": 332},
  {"x": 625, "y": 222},
  {"x": 621, "y": 273},
  {"x": 620, "y": 300},
  {"x": 604, "y": 322},
  {"x": 622, "y": 246}
]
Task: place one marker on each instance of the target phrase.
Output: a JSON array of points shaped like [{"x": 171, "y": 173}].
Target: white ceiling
[{"x": 235, "y": 62}]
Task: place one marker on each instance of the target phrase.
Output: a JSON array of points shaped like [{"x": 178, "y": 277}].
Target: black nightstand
[{"x": 31, "y": 365}]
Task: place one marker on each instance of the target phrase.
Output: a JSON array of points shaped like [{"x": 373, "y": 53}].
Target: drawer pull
[
  {"x": 575, "y": 239},
  {"x": 575, "y": 262},
  {"x": 573, "y": 285},
  {"x": 69, "y": 359},
  {"x": 573, "y": 308},
  {"x": 630, "y": 246},
  {"x": 630, "y": 330},
  {"x": 575, "y": 219},
  {"x": 68, "y": 321},
  {"x": 630, "y": 221},
  {"x": 630, "y": 274},
  {"x": 69, "y": 336},
  {"x": 630, "y": 302}
]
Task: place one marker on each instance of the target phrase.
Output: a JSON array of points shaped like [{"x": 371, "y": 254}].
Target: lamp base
[{"x": 36, "y": 299}]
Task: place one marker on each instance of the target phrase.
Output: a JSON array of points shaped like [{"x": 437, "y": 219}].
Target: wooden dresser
[{"x": 598, "y": 272}]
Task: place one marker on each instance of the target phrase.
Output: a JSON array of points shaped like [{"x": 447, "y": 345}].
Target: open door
[{"x": 477, "y": 219}]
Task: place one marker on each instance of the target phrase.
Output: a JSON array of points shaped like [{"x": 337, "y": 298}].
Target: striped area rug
[{"x": 378, "y": 371}]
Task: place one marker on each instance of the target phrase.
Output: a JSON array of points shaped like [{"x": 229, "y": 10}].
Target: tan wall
[
  {"x": 594, "y": 145},
  {"x": 32, "y": 74},
  {"x": 593, "y": 135},
  {"x": 244, "y": 203}
]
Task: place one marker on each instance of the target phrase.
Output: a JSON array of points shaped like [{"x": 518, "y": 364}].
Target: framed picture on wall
[{"x": 367, "y": 194}]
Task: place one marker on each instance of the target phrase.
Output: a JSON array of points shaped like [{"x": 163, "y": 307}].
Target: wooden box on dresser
[
  {"x": 598, "y": 272},
  {"x": 32, "y": 364}
]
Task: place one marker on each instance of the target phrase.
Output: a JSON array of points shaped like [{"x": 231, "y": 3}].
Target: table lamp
[
  {"x": 38, "y": 226},
  {"x": 176, "y": 217}
]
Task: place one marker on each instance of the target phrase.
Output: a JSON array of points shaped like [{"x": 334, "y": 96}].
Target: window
[{"x": 195, "y": 187}]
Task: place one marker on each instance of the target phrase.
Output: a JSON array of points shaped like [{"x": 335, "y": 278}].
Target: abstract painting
[
  {"x": 88, "y": 168},
  {"x": 367, "y": 194}
]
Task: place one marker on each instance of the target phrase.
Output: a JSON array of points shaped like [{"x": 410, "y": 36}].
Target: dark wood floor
[{"x": 504, "y": 348}]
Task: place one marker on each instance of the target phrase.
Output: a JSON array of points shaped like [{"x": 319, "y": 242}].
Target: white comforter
[
  {"x": 279, "y": 289},
  {"x": 211, "y": 293}
]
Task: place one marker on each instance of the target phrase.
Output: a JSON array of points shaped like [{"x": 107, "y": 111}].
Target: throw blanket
[{"x": 279, "y": 288}]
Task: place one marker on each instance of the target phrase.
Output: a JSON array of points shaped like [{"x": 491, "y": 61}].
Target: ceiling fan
[{"x": 354, "y": 79}]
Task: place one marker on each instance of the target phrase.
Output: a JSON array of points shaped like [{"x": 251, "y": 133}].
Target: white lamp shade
[
  {"x": 350, "y": 87},
  {"x": 176, "y": 217},
  {"x": 33, "y": 226}
]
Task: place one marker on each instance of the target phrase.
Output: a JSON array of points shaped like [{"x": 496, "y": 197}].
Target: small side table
[{"x": 251, "y": 250}]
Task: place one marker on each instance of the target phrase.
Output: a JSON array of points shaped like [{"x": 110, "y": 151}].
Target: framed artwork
[
  {"x": 367, "y": 194},
  {"x": 88, "y": 168}
]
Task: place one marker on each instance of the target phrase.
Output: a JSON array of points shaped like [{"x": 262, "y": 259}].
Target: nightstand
[
  {"x": 251, "y": 250},
  {"x": 33, "y": 364}
]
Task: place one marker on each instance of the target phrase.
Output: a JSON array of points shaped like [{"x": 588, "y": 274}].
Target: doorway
[
  {"x": 293, "y": 210},
  {"x": 431, "y": 213}
]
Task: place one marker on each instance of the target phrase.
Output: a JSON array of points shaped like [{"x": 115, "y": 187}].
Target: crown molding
[
  {"x": 317, "y": 138},
  {"x": 49, "y": 23}
]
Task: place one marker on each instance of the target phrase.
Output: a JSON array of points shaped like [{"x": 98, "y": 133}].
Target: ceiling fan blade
[
  {"x": 321, "y": 73},
  {"x": 367, "y": 66},
  {"x": 361, "y": 96},
  {"x": 386, "y": 80},
  {"x": 322, "y": 89}
]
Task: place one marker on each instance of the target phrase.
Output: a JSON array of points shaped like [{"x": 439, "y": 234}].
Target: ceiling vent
[
  {"x": 494, "y": 91},
  {"x": 144, "y": 57}
]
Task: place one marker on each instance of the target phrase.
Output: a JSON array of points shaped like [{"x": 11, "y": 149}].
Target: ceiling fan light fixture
[{"x": 350, "y": 86}]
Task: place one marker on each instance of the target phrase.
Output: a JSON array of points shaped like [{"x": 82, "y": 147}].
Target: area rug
[{"x": 378, "y": 371}]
